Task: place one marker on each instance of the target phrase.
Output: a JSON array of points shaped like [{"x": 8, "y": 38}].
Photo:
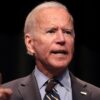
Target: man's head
[{"x": 49, "y": 35}]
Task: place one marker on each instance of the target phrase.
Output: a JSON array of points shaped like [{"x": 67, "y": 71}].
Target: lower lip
[{"x": 59, "y": 54}]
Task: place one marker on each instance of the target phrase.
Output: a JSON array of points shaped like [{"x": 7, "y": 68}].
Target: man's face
[{"x": 53, "y": 39}]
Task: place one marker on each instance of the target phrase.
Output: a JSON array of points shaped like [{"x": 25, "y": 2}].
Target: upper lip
[{"x": 59, "y": 51}]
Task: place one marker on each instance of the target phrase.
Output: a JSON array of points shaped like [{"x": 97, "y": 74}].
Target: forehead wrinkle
[{"x": 43, "y": 17}]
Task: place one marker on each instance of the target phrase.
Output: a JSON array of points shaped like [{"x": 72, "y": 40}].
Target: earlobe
[{"x": 29, "y": 44}]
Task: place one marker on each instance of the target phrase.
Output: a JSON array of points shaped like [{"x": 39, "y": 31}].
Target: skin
[
  {"x": 5, "y": 93},
  {"x": 52, "y": 42}
]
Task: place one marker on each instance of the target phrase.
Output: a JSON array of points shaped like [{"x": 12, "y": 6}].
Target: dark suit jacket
[{"x": 27, "y": 89}]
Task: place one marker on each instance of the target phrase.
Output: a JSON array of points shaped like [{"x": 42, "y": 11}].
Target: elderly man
[{"x": 49, "y": 37}]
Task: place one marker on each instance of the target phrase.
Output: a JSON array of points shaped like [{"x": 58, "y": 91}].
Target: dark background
[{"x": 14, "y": 61}]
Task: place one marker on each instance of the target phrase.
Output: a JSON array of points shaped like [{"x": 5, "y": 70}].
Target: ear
[{"x": 29, "y": 42}]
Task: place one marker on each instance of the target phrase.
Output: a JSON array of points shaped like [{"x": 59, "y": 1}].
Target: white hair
[{"x": 30, "y": 20}]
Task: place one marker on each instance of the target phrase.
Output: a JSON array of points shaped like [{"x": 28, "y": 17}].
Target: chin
[{"x": 60, "y": 65}]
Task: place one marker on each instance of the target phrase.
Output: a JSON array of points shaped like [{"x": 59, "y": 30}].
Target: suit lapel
[
  {"x": 29, "y": 89},
  {"x": 79, "y": 90}
]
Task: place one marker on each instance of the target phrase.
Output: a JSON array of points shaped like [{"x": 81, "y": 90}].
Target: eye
[
  {"x": 67, "y": 31},
  {"x": 53, "y": 30}
]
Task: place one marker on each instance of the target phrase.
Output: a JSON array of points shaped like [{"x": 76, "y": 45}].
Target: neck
[{"x": 52, "y": 72}]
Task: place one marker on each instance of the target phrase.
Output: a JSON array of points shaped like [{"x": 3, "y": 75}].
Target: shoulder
[
  {"x": 92, "y": 89},
  {"x": 15, "y": 83},
  {"x": 81, "y": 85},
  {"x": 89, "y": 86},
  {"x": 23, "y": 88}
]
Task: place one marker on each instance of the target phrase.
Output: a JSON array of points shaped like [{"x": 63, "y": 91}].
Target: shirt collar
[
  {"x": 64, "y": 79},
  {"x": 40, "y": 77}
]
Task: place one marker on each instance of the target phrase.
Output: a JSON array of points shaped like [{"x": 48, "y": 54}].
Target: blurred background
[{"x": 15, "y": 62}]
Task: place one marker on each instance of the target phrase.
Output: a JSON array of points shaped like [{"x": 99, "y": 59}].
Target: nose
[{"x": 60, "y": 38}]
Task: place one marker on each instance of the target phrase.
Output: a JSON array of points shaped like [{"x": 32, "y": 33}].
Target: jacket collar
[
  {"x": 29, "y": 88},
  {"x": 79, "y": 89}
]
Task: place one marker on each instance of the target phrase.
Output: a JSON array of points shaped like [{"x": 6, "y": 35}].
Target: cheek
[
  {"x": 70, "y": 45},
  {"x": 42, "y": 47}
]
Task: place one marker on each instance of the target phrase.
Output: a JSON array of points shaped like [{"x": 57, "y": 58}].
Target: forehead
[{"x": 54, "y": 15}]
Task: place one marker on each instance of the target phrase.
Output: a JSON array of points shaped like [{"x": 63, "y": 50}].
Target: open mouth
[{"x": 59, "y": 52}]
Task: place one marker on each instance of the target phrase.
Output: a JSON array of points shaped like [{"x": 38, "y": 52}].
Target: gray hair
[{"x": 30, "y": 20}]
